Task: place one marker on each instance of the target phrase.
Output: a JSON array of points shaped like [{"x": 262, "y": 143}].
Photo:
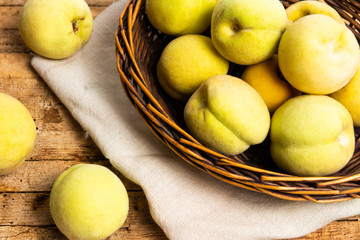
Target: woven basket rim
[{"x": 136, "y": 39}]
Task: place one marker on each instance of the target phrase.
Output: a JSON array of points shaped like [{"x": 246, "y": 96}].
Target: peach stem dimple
[
  {"x": 75, "y": 25},
  {"x": 235, "y": 27}
]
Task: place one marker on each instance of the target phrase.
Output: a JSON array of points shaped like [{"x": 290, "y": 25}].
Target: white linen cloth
[{"x": 185, "y": 202}]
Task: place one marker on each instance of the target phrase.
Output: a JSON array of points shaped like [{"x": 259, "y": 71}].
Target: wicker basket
[{"x": 138, "y": 48}]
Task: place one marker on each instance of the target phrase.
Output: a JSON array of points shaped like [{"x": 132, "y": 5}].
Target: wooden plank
[
  {"x": 30, "y": 213},
  {"x": 16, "y": 65},
  {"x": 51, "y": 232},
  {"x": 334, "y": 231},
  {"x": 9, "y": 15},
  {"x": 90, "y": 2},
  {"x": 338, "y": 230},
  {"x": 39, "y": 176},
  {"x": 11, "y": 41},
  {"x": 28, "y": 232},
  {"x": 32, "y": 208}
]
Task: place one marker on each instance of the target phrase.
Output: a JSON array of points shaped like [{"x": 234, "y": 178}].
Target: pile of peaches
[{"x": 300, "y": 85}]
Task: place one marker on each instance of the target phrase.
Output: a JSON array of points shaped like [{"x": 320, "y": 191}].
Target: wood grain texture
[{"x": 61, "y": 143}]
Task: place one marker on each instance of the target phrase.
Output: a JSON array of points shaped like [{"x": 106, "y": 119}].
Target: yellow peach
[
  {"x": 88, "y": 201},
  {"x": 318, "y": 55},
  {"x": 303, "y": 8},
  {"x": 247, "y": 32},
  {"x": 349, "y": 96},
  {"x": 264, "y": 78},
  {"x": 227, "y": 114},
  {"x": 186, "y": 62},
  {"x": 180, "y": 17},
  {"x": 55, "y": 29},
  {"x": 311, "y": 135},
  {"x": 17, "y": 133}
]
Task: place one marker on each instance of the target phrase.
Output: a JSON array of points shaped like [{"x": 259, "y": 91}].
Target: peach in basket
[{"x": 138, "y": 49}]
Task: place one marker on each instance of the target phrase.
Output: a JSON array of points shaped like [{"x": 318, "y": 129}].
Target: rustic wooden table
[{"x": 61, "y": 143}]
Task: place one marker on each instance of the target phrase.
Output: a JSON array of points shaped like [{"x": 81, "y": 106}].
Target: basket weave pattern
[{"x": 138, "y": 48}]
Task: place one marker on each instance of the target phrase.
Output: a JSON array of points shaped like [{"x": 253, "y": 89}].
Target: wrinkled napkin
[{"x": 184, "y": 201}]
